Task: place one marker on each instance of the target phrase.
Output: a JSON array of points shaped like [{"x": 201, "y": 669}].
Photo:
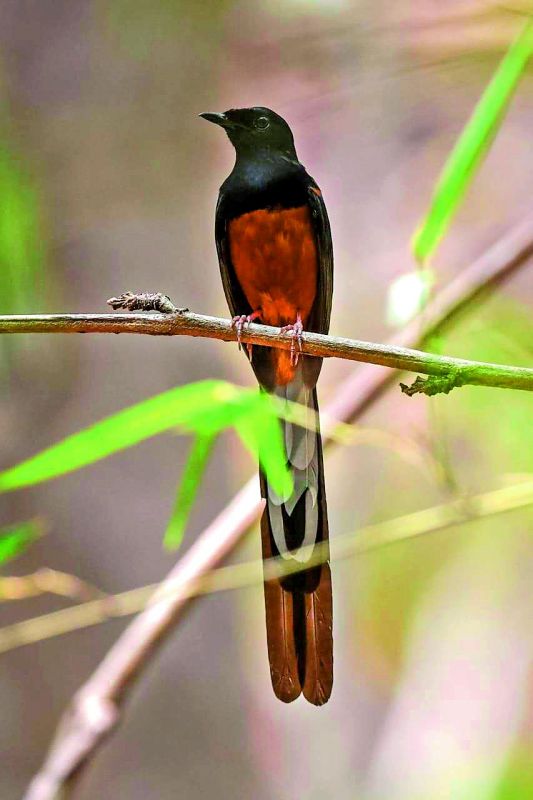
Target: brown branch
[
  {"x": 454, "y": 371},
  {"x": 95, "y": 709}
]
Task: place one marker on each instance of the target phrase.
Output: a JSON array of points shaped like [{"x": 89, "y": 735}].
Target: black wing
[
  {"x": 321, "y": 311},
  {"x": 318, "y": 320}
]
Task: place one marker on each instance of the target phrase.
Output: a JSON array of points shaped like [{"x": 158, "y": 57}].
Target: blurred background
[{"x": 108, "y": 182}]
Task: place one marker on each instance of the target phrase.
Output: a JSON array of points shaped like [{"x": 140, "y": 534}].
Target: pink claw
[
  {"x": 239, "y": 322},
  {"x": 296, "y": 330}
]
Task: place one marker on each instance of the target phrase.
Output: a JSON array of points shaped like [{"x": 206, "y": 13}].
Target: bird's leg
[
  {"x": 239, "y": 322},
  {"x": 295, "y": 330}
]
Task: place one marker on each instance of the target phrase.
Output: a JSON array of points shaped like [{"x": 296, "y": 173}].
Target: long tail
[{"x": 299, "y": 607}]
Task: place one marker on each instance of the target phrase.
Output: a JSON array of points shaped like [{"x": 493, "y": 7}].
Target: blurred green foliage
[
  {"x": 495, "y": 425},
  {"x": 517, "y": 781},
  {"x": 472, "y": 145},
  {"x": 489, "y": 438},
  {"x": 21, "y": 251},
  {"x": 16, "y": 538},
  {"x": 21, "y": 238},
  {"x": 142, "y": 27}
]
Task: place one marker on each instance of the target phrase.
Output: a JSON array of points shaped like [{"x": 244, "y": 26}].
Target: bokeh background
[{"x": 108, "y": 182}]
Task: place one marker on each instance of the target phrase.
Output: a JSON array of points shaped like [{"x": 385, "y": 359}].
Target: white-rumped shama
[{"x": 276, "y": 260}]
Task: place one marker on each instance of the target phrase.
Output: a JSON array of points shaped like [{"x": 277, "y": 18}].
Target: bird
[{"x": 275, "y": 254}]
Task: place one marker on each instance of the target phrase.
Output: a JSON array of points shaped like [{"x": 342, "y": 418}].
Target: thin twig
[
  {"x": 95, "y": 709},
  {"x": 239, "y": 576},
  {"x": 455, "y": 371},
  {"x": 47, "y": 581}
]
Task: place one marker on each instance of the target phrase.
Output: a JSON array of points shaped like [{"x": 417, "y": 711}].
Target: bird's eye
[{"x": 262, "y": 123}]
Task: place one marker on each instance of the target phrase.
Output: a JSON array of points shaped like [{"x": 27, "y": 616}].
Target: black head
[{"x": 252, "y": 130}]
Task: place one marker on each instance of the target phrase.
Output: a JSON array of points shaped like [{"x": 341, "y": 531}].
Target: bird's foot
[
  {"x": 295, "y": 330},
  {"x": 239, "y": 323}
]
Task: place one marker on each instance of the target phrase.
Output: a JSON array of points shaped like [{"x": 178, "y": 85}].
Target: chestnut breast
[{"x": 274, "y": 256}]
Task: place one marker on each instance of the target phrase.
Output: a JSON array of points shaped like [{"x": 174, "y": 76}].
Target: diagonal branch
[
  {"x": 238, "y": 576},
  {"x": 96, "y": 707}
]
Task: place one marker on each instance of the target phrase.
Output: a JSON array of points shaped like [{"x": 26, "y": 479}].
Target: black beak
[{"x": 217, "y": 119}]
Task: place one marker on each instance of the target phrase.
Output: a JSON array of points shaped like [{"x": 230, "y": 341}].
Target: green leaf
[
  {"x": 261, "y": 433},
  {"x": 472, "y": 145},
  {"x": 190, "y": 481},
  {"x": 205, "y": 408},
  {"x": 16, "y": 538},
  {"x": 207, "y": 405}
]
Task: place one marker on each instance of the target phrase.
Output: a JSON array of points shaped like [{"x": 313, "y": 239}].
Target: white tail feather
[{"x": 302, "y": 459}]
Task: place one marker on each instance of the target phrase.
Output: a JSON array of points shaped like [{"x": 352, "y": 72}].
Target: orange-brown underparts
[{"x": 274, "y": 255}]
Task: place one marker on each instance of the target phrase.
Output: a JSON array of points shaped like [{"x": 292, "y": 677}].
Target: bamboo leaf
[
  {"x": 196, "y": 406},
  {"x": 17, "y": 538},
  {"x": 205, "y": 409},
  {"x": 472, "y": 145},
  {"x": 188, "y": 488},
  {"x": 261, "y": 433}
]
